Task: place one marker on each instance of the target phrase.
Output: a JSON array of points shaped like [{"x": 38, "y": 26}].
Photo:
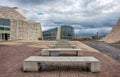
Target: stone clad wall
[
  {"x": 114, "y": 35},
  {"x": 58, "y": 36},
  {"x": 20, "y": 27},
  {"x": 11, "y": 13},
  {"x": 25, "y": 30}
]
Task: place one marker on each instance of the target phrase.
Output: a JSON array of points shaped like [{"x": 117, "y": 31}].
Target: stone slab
[
  {"x": 34, "y": 62},
  {"x": 47, "y": 52},
  {"x": 62, "y": 46},
  {"x": 63, "y": 49},
  {"x": 61, "y": 59}
]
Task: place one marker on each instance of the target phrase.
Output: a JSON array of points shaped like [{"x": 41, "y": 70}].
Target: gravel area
[{"x": 112, "y": 50}]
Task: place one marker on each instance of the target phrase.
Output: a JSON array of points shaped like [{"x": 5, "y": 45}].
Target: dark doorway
[
  {"x": 39, "y": 38},
  {"x": 2, "y": 36},
  {"x": 6, "y": 36}
]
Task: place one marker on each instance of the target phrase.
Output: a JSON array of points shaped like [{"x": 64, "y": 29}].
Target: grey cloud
[
  {"x": 85, "y": 15},
  {"x": 33, "y": 2}
]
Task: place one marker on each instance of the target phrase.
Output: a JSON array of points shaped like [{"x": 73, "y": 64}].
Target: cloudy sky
[{"x": 87, "y": 16}]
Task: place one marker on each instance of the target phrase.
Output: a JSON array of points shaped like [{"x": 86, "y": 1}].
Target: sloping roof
[
  {"x": 1, "y": 16},
  {"x": 12, "y": 13},
  {"x": 114, "y": 35}
]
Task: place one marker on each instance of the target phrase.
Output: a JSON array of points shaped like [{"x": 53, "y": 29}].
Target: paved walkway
[
  {"x": 45, "y": 44},
  {"x": 12, "y": 56}
]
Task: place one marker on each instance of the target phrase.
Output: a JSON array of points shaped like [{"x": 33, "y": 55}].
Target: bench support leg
[
  {"x": 31, "y": 66},
  {"x": 80, "y": 53},
  {"x": 94, "y": 67}
]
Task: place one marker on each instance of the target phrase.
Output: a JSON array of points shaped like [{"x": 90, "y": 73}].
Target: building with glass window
[
  {"x": 62, "y": 32},
  {"x": 4, "y": 29},
  {"x": 15, "y": 26}
]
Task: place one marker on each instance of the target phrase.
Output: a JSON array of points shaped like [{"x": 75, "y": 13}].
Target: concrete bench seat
[
  {"x": 62, "y": 46},
  {"x": 62, "y": 43},
  {"x": 47, "y": 52},
  {"x": 34, "y": 63}
]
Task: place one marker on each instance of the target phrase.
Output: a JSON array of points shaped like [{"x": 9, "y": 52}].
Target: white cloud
[{"x": 81, "y": 13}]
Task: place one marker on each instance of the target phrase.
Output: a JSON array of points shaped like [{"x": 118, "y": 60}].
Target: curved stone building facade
[
  {"x": 114, "y": 35},
  {"x": 15, "y": 26}
]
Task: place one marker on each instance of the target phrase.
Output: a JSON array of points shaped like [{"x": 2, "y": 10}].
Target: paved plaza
[{"x": 13, "y": 54}]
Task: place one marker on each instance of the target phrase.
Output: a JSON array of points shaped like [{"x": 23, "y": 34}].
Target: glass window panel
[{"x": 1, "y": 28}]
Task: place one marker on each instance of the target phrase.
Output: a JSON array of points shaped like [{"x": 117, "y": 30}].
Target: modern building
[
  {"x": 62, "y": 32},
  {"x": 14, "y": 25}
]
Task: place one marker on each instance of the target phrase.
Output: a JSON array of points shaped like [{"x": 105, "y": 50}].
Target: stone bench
[
  {"x": 62, "y": 43},
  {"x": 62, "y": 46},
  {"x": 47, "y": 52},
  {"x": 34, "y": 63}
]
